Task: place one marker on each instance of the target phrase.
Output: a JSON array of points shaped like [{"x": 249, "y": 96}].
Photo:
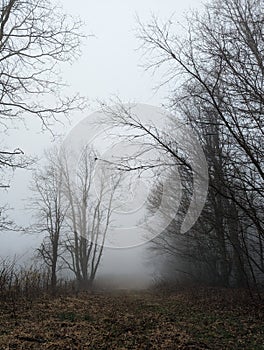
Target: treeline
[
  {"x": 215, "y": 74},
  {"x": 218, "y": 76}
]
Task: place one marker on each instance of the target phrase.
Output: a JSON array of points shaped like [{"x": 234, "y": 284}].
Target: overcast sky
[
  {"x": 110, "y": 60},
  {"x": 109, "y": 65}
]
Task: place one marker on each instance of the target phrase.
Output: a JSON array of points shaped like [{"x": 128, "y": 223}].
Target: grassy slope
[{"x": 204, "y": 319}]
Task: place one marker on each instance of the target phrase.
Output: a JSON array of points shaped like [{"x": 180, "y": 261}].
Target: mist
[
  {"x": 131, "y": 174},
  {"x": 109, "y": 65}
]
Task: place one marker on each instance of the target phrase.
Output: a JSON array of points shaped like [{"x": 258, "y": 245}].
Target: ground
[{"x": 190, "y": 319}]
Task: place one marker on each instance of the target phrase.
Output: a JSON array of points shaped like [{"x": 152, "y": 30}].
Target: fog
[
  {"x": 131, "y": 174},
  {"x": 110, "y": 65}
]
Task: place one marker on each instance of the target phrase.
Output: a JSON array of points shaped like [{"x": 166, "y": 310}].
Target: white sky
[
  {"x": 109, "y": 66},
  {"x": 110, "y": 61}
]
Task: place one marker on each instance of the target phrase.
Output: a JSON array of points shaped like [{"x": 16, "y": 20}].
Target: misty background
[{"x": 110, "y": 65}]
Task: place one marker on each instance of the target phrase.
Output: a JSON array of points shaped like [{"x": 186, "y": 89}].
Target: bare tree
[
  {"x": 34, "y": 38},
  {"x": 5, "y": 222},
  {"x": 89, "y": 217},
  {"x": 220, "y": 56},
  {"x": 50, "y": 211},
  {"x": 217, "y": 69}
]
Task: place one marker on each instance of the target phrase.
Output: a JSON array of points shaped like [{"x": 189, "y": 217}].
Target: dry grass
[{"x": 204, "y": 319}]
